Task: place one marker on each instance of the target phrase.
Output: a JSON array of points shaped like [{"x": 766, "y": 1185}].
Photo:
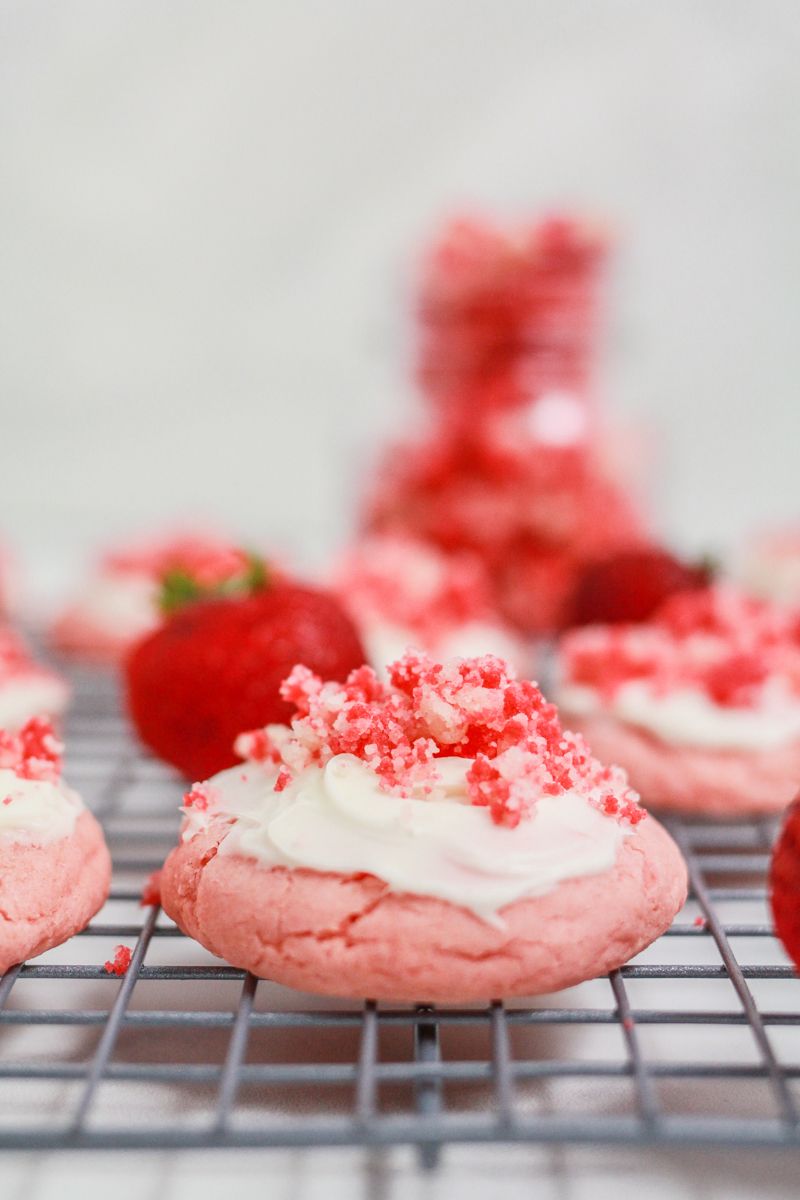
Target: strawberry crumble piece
[
  {"x": 119, "y": 964},
  {"x": 255, "y": 746},
  {"x": 729, "y": 645},
  {"x": 200, "y": 796},
  {"x": 151, "y": 892},
  {"x": 283, "y": 780},
  {"x": 33, "y": 752},
  {"x": 475, "y": 708}
]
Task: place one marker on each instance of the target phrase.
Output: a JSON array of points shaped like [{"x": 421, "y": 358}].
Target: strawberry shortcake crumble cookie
[
  {"x": 436, "y": 837},
  {"x": 701, "y": 704},
  {"x": 55, "y": 869}
]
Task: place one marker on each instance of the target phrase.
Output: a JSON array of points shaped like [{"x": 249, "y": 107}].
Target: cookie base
[
  {"x": 690, "y": 779},
  {"x": 48, "y": 893},
  {"x": 349, "y": 935}
]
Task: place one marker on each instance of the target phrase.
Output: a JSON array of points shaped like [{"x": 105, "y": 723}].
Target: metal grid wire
[{"x": 695, "y": 1042}]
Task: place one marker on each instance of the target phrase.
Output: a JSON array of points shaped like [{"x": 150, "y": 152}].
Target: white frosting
[
  {"x": 689, "y": 717},
  {"x": 26, "y": 696},
  {"x": 384, "y": 643},
  {"x": 338, "y": 819},
  {"x": 122, "y": 604},
  {"x": 37, "y": 812}
]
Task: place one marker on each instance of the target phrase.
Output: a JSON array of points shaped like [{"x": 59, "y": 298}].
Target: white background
[{"x": 208, "y": 214}]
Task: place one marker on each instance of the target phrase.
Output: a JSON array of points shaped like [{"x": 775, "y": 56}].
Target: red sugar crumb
[
  {"x": 474, "y": 708},
  {"x": 201, "y": 796},
  {"x": 700, "y": 922},
  {"x": 734, "y": 681},
  {"x": 256, "y": 746},
  {"x": 119, "y": 964},
  {"x": 7, "y": 799},
  {"x": 151, "y": 892},
  {"x": 716, "y": 639},
  {"x": 34, "y": 752},
  {"x": 627, "y": 1024}
]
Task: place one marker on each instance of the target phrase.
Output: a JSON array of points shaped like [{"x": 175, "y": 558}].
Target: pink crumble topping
[
  {"x": 475, "y": 708},
  {"x": 151, "y": 892},
  {"x": 410, "y": 583},
  {"x": 33, "y": 752},
  {"x": 119, "y": 964},
  {"x": 255, "y": 746},
  {"x": 719, "y": 640},
  {"x": 283, "y": 780},
  {"x": 201, "y": 797}
]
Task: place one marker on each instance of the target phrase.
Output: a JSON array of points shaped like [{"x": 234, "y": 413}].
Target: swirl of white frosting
[
  {"x": 689, "y": 717},
  {"x": 36, "y": 812},
  {"x": 338, "y": 819}
]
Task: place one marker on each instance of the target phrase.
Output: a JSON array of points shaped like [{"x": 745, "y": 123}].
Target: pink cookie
[
  {"x": 55, "y": 869},
  {"x": 719, "y": 783},
  {"x": 50, "y": 892},
  {"x": 434, "y": 837},
  {"x": 700, "y": 704},
  {"x": 349, "y": 935}
]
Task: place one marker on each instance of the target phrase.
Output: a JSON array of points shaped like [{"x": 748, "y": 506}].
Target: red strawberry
[
  {"x": 784, "y": 883},
  {"x": 214, "y": 668},
  {"x": 630, "y": 586}
]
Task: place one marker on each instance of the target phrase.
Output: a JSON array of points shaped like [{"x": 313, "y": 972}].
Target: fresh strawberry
[
  {"x": 630, "y": 586},
  {"x": 784, "y": 883},
  {"x": 213, "y": 669}
]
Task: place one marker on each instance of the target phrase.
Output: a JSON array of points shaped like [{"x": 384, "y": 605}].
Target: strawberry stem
[{"x": 180, "y": 588}]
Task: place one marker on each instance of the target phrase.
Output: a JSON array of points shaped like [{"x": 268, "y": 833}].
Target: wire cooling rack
[{"x": 697, "y": 1041}]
